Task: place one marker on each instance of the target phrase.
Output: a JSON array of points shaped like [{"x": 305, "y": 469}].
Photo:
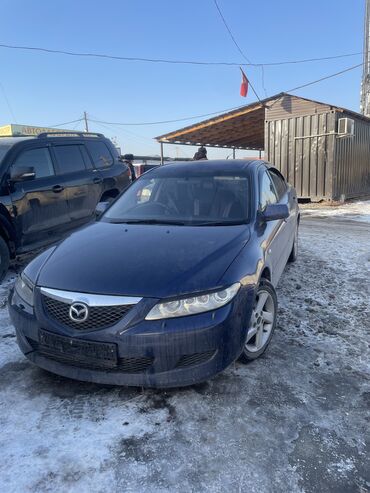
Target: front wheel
[{"x": 262, "y": 322}]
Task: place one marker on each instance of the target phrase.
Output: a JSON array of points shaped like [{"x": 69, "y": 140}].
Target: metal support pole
[
  {"x": 260, "y": 154},
  {"x": 86, "y": 124},
  {"x": 161, "y": 152},
  {"x": 234, "y": 153}
]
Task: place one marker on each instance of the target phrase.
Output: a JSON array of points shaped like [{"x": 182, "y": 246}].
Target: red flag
[{"x": 244, "y": 85}]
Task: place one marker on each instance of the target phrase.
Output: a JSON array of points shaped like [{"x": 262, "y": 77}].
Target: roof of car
[
  {"x": 12, "y": 140},
  {"x": 214, "y": 165}
]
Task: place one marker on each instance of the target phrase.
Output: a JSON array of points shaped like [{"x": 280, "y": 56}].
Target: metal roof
[{"x": 242, "y": 128}]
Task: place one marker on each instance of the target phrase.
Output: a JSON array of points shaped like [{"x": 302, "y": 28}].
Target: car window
[
  {"x": 69, "y": 158},
  {"x": 279, "y": 182},
  {"x": 86, "y": 157},
  {"x": 267, "y": 191},
  {"x": 100, "y": 154},
  {"x": 191, "y": 199},
  {"x": 39, "y": 159}
]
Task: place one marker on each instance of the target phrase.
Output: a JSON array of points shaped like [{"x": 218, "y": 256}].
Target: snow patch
[{"x": 356, "y": 211}]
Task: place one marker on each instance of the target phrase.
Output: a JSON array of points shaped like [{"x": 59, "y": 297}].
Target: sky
[{"x": 49, "y": 89}]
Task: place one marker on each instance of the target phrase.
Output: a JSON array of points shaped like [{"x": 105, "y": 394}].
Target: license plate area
[{"x": 77, "y": 350}]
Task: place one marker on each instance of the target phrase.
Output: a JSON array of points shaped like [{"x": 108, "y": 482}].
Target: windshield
[
  {"x": 197, "y": 200},
  {"x": 3, "y": 150}
]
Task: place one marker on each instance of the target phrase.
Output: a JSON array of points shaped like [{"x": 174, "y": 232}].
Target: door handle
[
  {"x": 97, "y": 180},
  {"x": 58, "y": 188}
]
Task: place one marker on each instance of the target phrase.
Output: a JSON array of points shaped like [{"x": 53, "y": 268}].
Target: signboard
[
  {"x": 14, "y": 130},
  {"x": 6, "y": 131}
]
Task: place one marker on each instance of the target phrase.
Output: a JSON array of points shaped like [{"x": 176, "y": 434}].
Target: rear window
[
  {"x": 101, "y": 156},
  {"x": 69, "y": 159}
]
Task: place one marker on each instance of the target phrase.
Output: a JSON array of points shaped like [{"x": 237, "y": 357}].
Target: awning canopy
[{"x": 242, "y": 128}]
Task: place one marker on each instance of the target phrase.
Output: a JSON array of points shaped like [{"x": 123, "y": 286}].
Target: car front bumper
[{"x": 164, "y": 353}]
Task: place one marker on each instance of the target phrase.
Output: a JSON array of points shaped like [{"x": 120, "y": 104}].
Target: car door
[
  {"x": 39, "y": 204},
  {"x": 286, "y": 195},
  {"x": 275, "y": 235},
  {"x": 82, "y": 184},
  {"x": 106, "y": 167}
]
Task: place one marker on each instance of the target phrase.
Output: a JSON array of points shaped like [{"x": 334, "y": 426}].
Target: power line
[
  {"x": 124, "y": 132},
  {"x": 325, "y": 78},
  {"x": 8, "y": 103},
  {"x": 242, "y": 52},
  {"x": 76, "y": 125},
  {"x": 307, "y": 60},
  {"x": 178, "y": 62},
  {"x": 206, "y": 114},
  {"x": 230, "y": 33},
  {"x": 169, "y": 121},
  {"x": 237, "y": 46},
  {"x": 127, "y": 138},
  {"x": 319, "y": 80},
  {"x": 65, "y": 123},
  {"x": 228, "y": 109}
]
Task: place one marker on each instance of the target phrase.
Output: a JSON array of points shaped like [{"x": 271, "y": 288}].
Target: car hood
[{"x": 143, "y": 260}]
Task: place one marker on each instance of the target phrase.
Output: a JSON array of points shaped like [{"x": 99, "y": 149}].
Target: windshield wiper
[
  {"x": 219, "y": 223},
  {"x": 150, "y": 221}
]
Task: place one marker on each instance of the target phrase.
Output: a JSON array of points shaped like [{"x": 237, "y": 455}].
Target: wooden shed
[{"x": 323, "y": 150}]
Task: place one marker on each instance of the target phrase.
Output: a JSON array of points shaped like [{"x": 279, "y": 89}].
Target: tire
[
  {"x": 4, "y": 258},
  {"x": 294, "y": 253},
  {"x": 261, "y": 328}
]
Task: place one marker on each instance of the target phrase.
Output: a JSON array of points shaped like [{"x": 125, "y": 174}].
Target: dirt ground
[{"x": 296, "y": 420}]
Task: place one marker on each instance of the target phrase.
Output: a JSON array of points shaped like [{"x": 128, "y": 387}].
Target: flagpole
[{"x": 249, "y": 82}]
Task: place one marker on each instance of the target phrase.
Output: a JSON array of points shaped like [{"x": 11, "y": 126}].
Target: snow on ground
[
  {"x": 295, "y": 420},
  {"x": 356, "y": 211}
]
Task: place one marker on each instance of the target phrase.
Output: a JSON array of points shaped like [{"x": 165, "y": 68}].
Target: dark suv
[{"x": 50, "y": 184}]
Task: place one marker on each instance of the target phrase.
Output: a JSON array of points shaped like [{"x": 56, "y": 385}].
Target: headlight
[
  {"x": 24, "y": 288},
  {"x": 195, "y": 304}
]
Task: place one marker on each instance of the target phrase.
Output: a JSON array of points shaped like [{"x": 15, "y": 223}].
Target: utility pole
[
  {"x": 365, "y": 85},
  {"x": 86, "y": 123}
]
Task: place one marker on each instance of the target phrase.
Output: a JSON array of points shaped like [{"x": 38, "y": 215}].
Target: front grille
[
  {"x": 99, "y": 316},
  {"x": 194, "y": 359},
  {"x": 134, "y": 365},
  {"x": 124, "y": 365}
]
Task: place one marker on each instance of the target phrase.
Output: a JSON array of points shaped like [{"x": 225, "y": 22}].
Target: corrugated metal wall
[
  {"x": 352, "y": 161},
  {"x": 296, "y": 146},
  {"x": 289, "y": 106}
]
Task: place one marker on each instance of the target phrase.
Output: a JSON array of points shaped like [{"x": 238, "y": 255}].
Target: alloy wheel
[{"x": 262, "y": 322}]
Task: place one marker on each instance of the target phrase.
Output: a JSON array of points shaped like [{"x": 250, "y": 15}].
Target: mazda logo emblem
[{"x": 78, "y": 312}]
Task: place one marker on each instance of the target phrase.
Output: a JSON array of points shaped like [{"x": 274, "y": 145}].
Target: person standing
[
  {"x": 129, "y": 159},
  {"x": 200, "y": 154}
]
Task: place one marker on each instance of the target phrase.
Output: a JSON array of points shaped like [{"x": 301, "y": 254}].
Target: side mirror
[
  {"x": 22, "y": 174},
  {"x": 273, "y": 212},
  {"x": 100, "y": 208}
]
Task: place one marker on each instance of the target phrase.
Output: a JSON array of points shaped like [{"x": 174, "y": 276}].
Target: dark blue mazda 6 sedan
[{"x": 171, "y": 284}]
